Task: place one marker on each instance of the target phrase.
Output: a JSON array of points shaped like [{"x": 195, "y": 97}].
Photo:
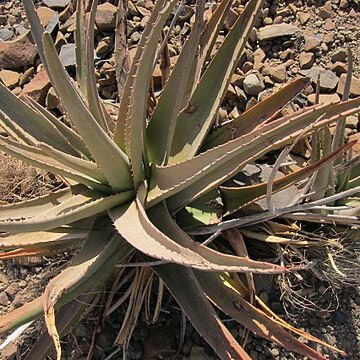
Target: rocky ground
[{"x": 292, "y": 38}]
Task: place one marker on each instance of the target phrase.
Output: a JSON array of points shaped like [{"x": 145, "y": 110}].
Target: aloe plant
[{"x": 131, "y": 183}]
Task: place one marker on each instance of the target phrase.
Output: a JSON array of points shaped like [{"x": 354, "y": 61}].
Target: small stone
[
  {"x": 247, "y": 66},
  {"x": 56, "y": 4},
  {"x": 326, "y": 12},
  {"x": 303, "y": 17},
  {"x": 68, "y": 55},
  {"x": 275, "y": 352},
  {"x": 328, "y": 80},
  {"x": 9, "y": 78},
  {"x": 354, "y": 88},
  {"x": 135, "y": 37},
  {"x": 324, "y": 98},
  {"x": 311, "y": 43},
  {"x": 25, "y": 77},
  {"x": 52, "y": 101},
  {"x": 6, "y": 34},
  {"x": 278, "y": 73},
  {"x": 329, "y": 25},
  {"x": 12, "y": 290},
  {"x": 339, "y": 55},
  {"x": 3, "y": 299},
  {"x": 329, "y": 38},
  {"x": 186, "y": 13},
  {"x": 259, "y": 57},
  {"x": 270, "y": 32},
  {"x": 344, "y": 4},
  {"x": 306, "y": 60},
  {"x": 45, "y": 15},
  {"x": 253, "y": 84},
  {"x": 102, "y": 47},
  {"x": 105, "y": 17},
  {"x": 237, "y": 80},
  {"x": 18, "y": 52},
  {"x": 339, "y": 68},
  {"x": 38, "y": 87},
  {"x": 268, "y": 21}
]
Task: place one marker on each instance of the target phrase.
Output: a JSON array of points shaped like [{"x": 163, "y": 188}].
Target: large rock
[
  {"x": 18, "y": 52},
  {"x": 106, "y": 17},
  {"x": 253, "y": 84},
  {"x": 38, "y": 87},
  {"x": 270, "y": 32},
  {"x": 354, "y": 88}
]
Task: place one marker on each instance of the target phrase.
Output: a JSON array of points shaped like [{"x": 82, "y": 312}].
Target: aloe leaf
[
  {"x": 22, "y": 315},
  {"x": 77, "y": 207},
  {"x": 110, "y": 159},
  {"x": 233, "y": 304},
  {"x": 93, "y": 99},
  {"x": 256, "y": 115},
  {"x": 207, "y": 42},
  {"x": 30, "y": 121},
  {"x": 120, "y": 128},
  {"x": 48, "y": 250},
  {"x": 67, "y": 133},
  {"x": 187, "y": 180},
  {"x": 80, "y": 50},
  {"x": 206, "y": 210},
  {"x": 43, "y": 238},
  {"x": 42, "y": 203},
  {"x": 138, "y": 104},
  {"x": 187, "y": 291},
  {"x": 15, "y": 131},
  {"x": 196, "y": 120},
  {"x": 37, "y": 29},
  {"x": 235, "y": 198},
  {"x": 34, "y": 156},
  {"x": 86, "y": 167},
  {"x": 159, "y": 133},
  {"x": 217, "y": 260},
  {"x": 166, "y": 241},
  {"x": 94, "y": 256}
]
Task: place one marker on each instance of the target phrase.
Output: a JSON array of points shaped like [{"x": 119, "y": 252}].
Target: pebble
[
  {"x": 339, "y": 55},
  {"x": 253, "y": 84}
]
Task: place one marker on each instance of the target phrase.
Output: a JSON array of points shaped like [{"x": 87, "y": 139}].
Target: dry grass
[{"x": 19, "y": 181}]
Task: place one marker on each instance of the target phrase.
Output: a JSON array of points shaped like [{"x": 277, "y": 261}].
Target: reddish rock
[
  {"x": 354, "y": 88},
  {"x": 18, "y": 52},
  {"x": 38, "y": 87},
  {"x": 9, "y": 78},
  {"x": 306, "y": 60},
  {"x": 45, "y": 14}
]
